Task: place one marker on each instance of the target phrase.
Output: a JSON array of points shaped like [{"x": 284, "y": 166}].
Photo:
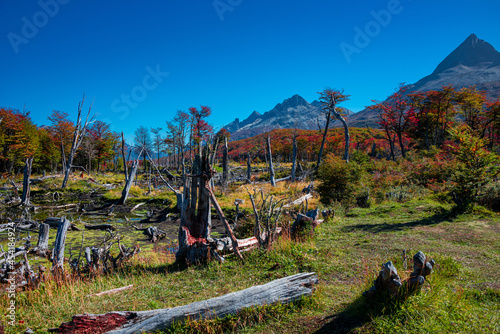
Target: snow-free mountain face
[
  {"x": 294, "y": 112},
  {"x": 474, "y": 62}
]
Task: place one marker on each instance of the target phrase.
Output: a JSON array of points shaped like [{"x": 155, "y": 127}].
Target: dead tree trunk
[
  {"x": 129, "y": 182},
  {"x": 25, "y": 198},
  {"x": 249, "y": 169},
  {"x": 42, "y": 246},
  {"x": 281, "y": 291},
  {"x": 325, "y": 133},
  {"x": 196, "y": 224},
  {"x": 58, "y": 251},
  {"x": 346, "y": 134},
  {"x": 225, "y": 167},
  {"x": 125, "y": 167},
  {"x": 294, "y": 157},
  {"x": 271, "y": 167},
  {"x": 78, "y": 135}
]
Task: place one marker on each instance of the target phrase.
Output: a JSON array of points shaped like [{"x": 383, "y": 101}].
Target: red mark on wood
[
  {"x": 192, "y": 240},
  {"x": 94, "y": 324}
]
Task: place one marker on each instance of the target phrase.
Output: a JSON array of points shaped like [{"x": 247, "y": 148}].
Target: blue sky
[{"x": 143, "y": 61}]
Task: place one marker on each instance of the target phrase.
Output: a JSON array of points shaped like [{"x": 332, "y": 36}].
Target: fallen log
[
  {"x": 299, "y": 200},
  {"x": 281, "y": 291},
  {"x": 57, "y": 207},
  {"x": 54, "y": 223},
  {"x": 102, "y": 227},
  {"x": 112, "y": 291}
]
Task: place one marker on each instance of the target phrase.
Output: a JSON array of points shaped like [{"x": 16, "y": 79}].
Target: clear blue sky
[{"x": 246, "y": 55}]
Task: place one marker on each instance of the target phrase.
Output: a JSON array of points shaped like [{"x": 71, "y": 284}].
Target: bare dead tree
[
  {"x": 80, "y": 129},
  {"x": 294, "y": 153},
  {"x": 25, "y": 198},
  {"x": 330, "y": 98},
  {"x": 125, "y": 167},
  {"x": 249, "y": 168},
  {"x": 128, "y": 184},
  {"x": 267, "y": 212},
  {"x": 225, "y": 167},
  {"x": 270, "y": 159}
]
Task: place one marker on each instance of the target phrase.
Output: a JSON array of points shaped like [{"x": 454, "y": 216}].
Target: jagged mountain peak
[{"x": 471, "y": 52}]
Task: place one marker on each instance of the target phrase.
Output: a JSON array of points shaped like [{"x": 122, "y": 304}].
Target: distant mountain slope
[
  {"x": 294, "y": 112},
  {"x": 474, "y": 62}
]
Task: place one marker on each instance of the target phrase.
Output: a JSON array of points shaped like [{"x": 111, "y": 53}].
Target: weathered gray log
[
  {"x": 42, "y": 246},
  {"x": 25, "y": 198},
  {"x": 129, "y": 182},
  {"x": 281, "y": 291},
  {"x": 298, "y": 201},
  {"x": 58, "y": 251},
  {"x": 283, "y": 179},
  {"x": 103, "y": 227},
  {"x": 270, "y": 159}
]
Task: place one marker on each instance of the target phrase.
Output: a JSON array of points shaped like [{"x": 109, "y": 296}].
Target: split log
[
  {"x": 58, "y": 251},
  {"x": 281, "y": 291}
]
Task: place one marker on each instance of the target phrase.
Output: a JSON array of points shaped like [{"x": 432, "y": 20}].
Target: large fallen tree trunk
[{"x": 281, "y": 291}]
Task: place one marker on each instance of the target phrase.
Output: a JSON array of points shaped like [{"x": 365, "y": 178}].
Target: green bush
[
  {"x": 475, "y": 168},
  {"x": 339, "y": 181}
]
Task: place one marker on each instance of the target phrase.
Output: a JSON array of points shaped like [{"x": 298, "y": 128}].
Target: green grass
[{"x": 461, "y": 296}]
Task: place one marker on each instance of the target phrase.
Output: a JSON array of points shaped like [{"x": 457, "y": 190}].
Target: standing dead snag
[
  {"x": 128, "y": 184},
  {"x": 25, "y": 198},
  {"x": 329, "y": 99},
  {"x": 196, "y": 224},
  {"x": 225, "y": 167},
  {"x": 59, "y": 244},
  {"x": 271, "y": 167},
  {"x": 78, "y": 136},
  {"x": 249, "y": 169},
  {"x": 42, "y": 246}
]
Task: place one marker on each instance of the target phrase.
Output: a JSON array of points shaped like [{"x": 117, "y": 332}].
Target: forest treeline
[{"x": 407, "y": 121}]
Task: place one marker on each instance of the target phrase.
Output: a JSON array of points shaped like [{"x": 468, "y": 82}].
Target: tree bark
[
  {"x": 346, "y": 134},
  {"x": 271, "y": 167},
  {"x": 281, "y": 291}
]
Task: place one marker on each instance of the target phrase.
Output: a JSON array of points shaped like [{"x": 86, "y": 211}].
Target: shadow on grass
[
  {"x": 357, "y": 314},
  {"x": 438, "y": 217}
]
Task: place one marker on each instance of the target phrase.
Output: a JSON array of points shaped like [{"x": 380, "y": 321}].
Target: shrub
[
  {"x": 339, "y": 181},
  {"x": 475, "y": 168}
]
